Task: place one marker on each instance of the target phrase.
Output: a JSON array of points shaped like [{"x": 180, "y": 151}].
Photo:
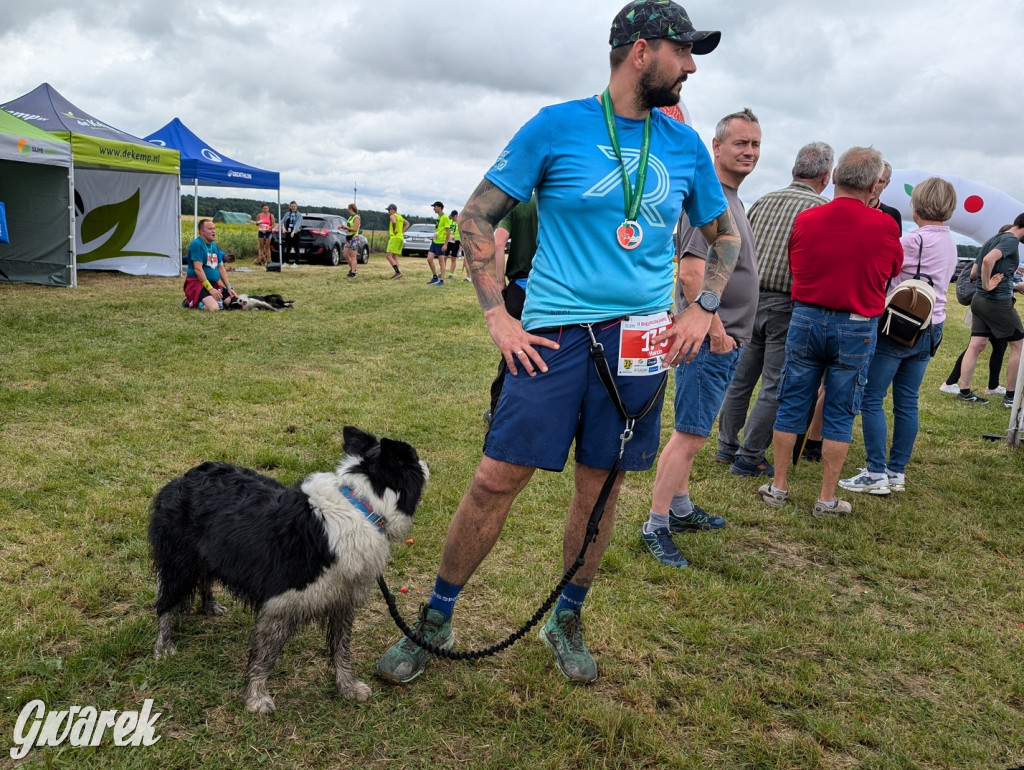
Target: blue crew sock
[
  {"x": 572, "y": 598},
  {"x": 681, "y": 505},
  {"x": 656, "y": 521},
  {"x": 444, "y": 596}
]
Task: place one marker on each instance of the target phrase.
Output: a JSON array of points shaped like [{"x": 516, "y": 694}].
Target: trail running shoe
[
  {"x": 432, "y": 280},
  {"x": 971, "y": 397},
  {"x": 722, "y": 456},
  {"x": 774, "y": 499},
  {"x": 823, "y": 511},
  {"x": 696, "y": 521},
  {"x": 1007, "y": 402},
  {"x": 741, "y": 467},
  {"x": 659, "y": 544},
  {"x": 406, "y": 660},
  {"x": 563, "y": 633},
  {"x": 866, "y": 481}
]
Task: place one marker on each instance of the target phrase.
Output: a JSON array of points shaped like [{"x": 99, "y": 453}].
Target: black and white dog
[
  {"x": 294, "y": 554},
  {"x": 257, "y": 302}
]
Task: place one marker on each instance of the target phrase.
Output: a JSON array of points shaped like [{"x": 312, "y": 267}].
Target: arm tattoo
[
  {"x": 723, "y": 252},
  {"x": 484, "y": 209}
]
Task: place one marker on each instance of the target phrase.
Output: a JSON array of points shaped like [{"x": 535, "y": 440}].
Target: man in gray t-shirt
[
  {"x": 734, "y": 314},
  {"x": 701, "y": 383}
]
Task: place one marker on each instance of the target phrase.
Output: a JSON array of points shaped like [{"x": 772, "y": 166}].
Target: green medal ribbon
[{"x": 633, "y": 196}]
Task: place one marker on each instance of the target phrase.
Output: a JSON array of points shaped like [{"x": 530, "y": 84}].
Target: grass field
[{"x": 890, "y": 639}]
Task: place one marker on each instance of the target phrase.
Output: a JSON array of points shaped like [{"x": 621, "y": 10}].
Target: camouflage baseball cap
[{"x": 653, "y": 19}]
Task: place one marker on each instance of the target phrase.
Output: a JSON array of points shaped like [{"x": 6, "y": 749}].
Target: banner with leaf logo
[{"x": 127, "y": 221}]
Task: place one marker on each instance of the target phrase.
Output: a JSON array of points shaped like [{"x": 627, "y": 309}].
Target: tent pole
[
  {"x": 71, "y": 215},
  {"x": 195, "y": 209},
  {"x": 180, "y": 261},
  {"x": 1013, "y": 432}
]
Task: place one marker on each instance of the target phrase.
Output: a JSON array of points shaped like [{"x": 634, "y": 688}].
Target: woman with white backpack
[{"x": 928, "y": 251}]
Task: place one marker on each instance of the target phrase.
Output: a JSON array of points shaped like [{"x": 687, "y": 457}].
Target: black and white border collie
[{"x": 293, "y": 554}]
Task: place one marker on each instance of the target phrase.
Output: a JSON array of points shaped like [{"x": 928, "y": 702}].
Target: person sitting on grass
[{"x": 206, "y": 280}]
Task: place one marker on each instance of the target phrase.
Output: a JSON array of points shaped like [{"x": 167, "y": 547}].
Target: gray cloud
[{"x": 412, "y": 100}]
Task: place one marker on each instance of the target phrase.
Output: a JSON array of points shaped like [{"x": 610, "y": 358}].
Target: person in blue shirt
[
  {"x": 612, "y": 174},
  {"x": 206, "y": 279}
]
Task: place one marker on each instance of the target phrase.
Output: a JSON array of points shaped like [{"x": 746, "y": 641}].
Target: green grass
[{"x": 891, "y": 639}]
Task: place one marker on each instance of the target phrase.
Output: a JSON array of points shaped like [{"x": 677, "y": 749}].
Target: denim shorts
[
  {"x": 700, "y": 389},
  {"x": 830, "y": 346},
  {"x": 537, "y": 418}
]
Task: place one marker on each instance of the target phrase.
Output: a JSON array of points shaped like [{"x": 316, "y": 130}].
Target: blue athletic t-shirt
[
  {"x": 580, "y": 273},
  {"x": 208, "y": 255}
]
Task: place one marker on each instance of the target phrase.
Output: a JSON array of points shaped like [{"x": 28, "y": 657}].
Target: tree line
[{"x": 208, "y": 207}]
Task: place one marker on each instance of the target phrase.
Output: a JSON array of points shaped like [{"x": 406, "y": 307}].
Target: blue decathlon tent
[{"x": 203, "y": 165}]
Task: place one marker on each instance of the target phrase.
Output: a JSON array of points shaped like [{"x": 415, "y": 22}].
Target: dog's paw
[
  {"x": 214, "y": 608},
  {"x": 355, "y": 690},
  {"x": 260, "y": 704},
  {"x": 163, "y": 650}
]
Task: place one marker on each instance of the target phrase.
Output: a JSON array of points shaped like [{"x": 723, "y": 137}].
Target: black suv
[{"x": 320, "y": 239}]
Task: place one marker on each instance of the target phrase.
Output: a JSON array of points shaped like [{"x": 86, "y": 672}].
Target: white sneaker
[
  {"x": 897, "y": 481},
  {"x": 865, "y": 481},
  {"x": 1000, "y": 391},
  {"x": 951, "y": 389}
]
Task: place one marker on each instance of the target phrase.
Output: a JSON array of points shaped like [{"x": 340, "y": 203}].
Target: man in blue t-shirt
[
  {"x": 612, "y": 175},
  {"x": 206, "y": 279}
]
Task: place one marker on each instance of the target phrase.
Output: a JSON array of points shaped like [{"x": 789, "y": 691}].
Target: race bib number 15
[{"x": 639, "y": 355}]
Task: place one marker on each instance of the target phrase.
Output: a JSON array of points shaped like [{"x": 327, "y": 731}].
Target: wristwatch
[{"x": 709, "y": 301}]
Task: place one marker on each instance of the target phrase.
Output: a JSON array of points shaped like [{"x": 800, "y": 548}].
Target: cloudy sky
[{"x": 411, "y": 101}]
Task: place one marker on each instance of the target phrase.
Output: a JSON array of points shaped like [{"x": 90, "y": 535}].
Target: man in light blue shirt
[{"x": 612, "y": 174}]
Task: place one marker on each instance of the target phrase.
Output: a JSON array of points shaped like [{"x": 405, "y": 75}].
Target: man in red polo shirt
[{"x": 842, "y": 255}]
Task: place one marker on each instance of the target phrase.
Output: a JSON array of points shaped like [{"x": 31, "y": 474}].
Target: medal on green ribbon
[{"x": 629, "y": 234}]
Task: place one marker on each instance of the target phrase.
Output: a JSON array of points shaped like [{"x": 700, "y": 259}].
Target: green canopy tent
[
  {"x": 126, "y": 191},
  {"x": 36, "y": 189},
  {"x": 232, "y": 217}
]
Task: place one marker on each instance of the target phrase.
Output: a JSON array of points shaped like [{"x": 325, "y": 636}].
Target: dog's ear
[
  {"x": 401, "y": 471},
  {"x": 397, "y": 454},
  {"x": 357, "y": 442}
]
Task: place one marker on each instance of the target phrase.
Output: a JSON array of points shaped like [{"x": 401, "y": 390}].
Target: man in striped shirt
[{"x": 771, "y": 219}]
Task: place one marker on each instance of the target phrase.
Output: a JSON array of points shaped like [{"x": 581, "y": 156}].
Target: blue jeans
[
  {"x": 903, "y": 368},
  {"x": 700, "y": 388},
  {"x": 762, "y": 359},
  {"x": 825, "y": 344}
]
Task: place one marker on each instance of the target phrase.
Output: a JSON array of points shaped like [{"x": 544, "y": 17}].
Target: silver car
[{"x": 418, "y": 239}]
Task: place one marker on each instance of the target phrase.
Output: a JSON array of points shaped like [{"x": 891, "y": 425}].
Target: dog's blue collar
[{"x": 364, "y": 508}]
